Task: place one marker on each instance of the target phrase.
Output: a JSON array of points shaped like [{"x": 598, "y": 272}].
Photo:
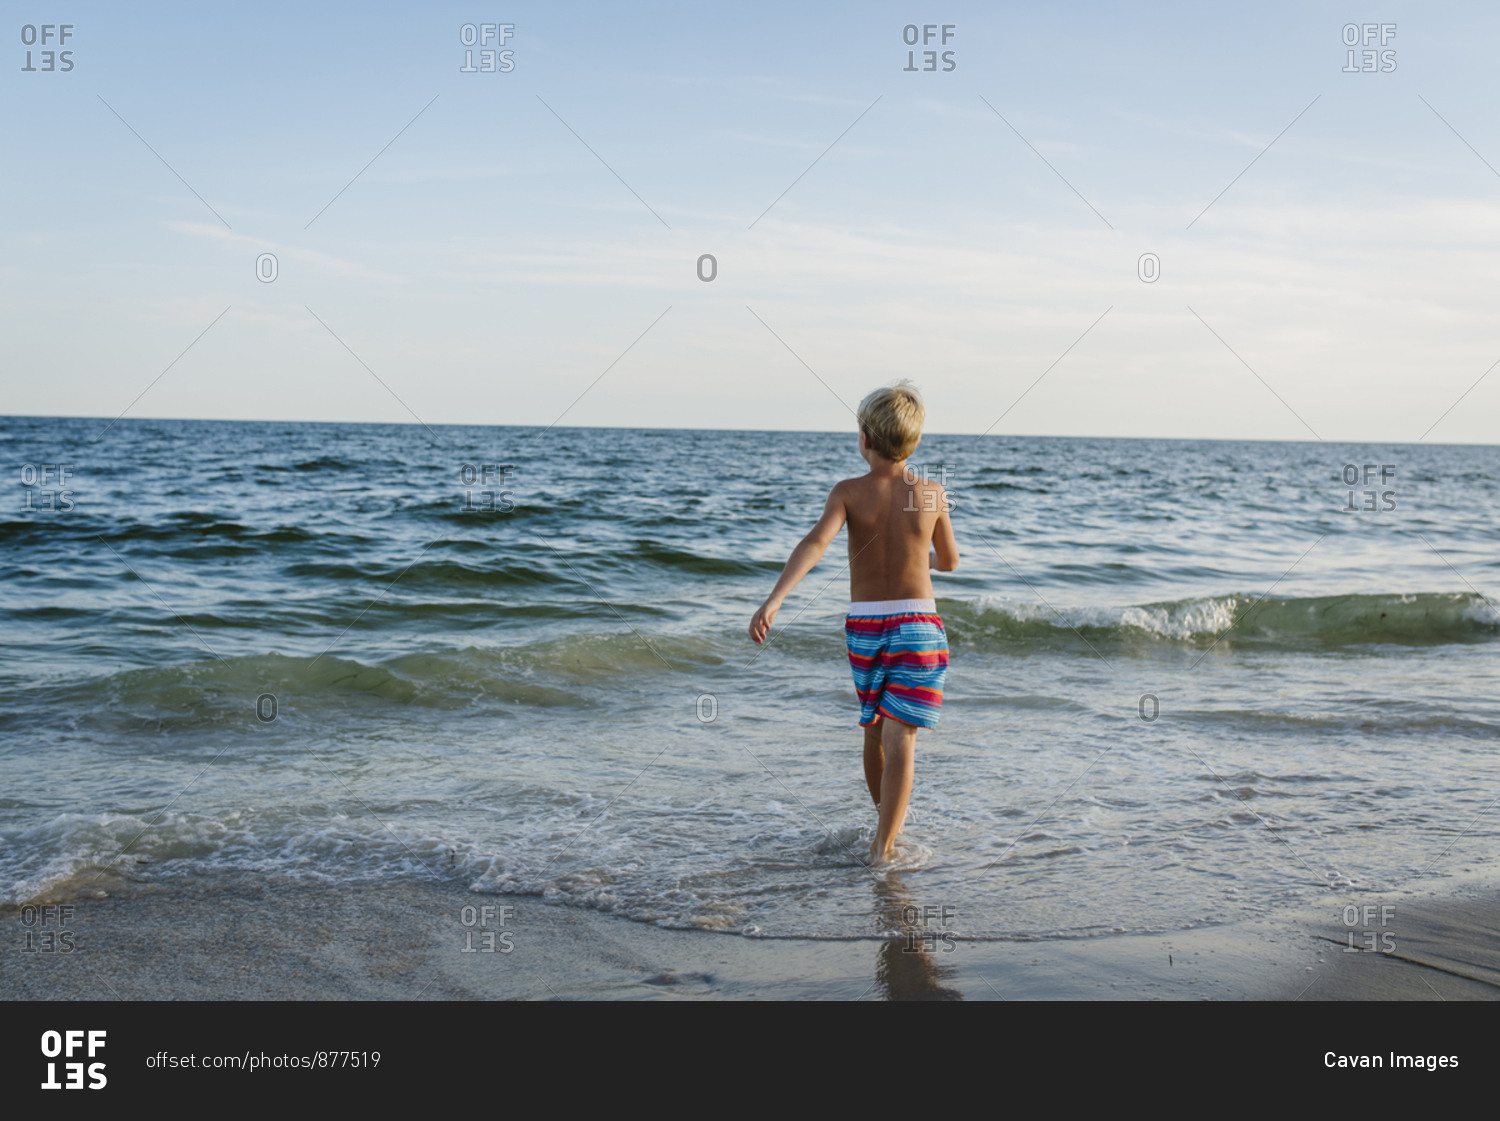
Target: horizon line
[{"x": 788, "y": 431}]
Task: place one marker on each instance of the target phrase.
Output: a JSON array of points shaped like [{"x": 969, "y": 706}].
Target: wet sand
[
  {"x": 1421, "y": 949},
  {"x": 250, "y": 938}
]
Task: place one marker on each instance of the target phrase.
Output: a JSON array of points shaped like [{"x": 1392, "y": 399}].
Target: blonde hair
[{"x": 891, "y": 418}]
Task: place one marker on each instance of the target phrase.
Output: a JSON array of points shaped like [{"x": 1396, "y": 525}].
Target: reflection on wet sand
[{"x": 906, "y": 967}]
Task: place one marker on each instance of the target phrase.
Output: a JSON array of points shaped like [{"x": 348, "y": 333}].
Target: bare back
[{"x": 892, "y": 523}]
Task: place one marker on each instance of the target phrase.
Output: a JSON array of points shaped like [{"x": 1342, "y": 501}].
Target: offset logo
[
  {"x": 47, "y": 60},
  {"x": 488, "y": 38},
  {"x": 47, "y": 930},
  {"x": 1375, "y": 476},
  {"x": 1362, "y": 919},
  {"x": 44, "y": 487},
  {"x": 497, "y": 475},
  {"x": 927, "y": 34},
  {"x": 1364, "y": 35},
  {"x": 66, "y": 1045},
  {"x": 928, "y": 929},
  {"x": 489, "y": 936}
]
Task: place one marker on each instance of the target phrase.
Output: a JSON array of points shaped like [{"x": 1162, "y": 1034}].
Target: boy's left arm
[
  {"x": 808, "y": 552},
  {"x": 944, "y": 545}
]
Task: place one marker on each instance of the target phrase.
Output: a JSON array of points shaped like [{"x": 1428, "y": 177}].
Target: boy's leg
[
  {"x": 874, "y": 760},
  {"x": 900, "y": 750}
]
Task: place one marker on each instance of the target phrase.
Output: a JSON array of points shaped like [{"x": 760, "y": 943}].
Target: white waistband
[{"x": 893, "y": 606}]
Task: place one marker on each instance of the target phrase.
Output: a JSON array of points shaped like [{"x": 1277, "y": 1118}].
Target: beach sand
[
  {"x": 251, "y": 938},
  {"x": 1425, "y": 949}
]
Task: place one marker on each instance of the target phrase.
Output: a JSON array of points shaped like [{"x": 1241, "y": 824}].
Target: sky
[{"x": 525, "y": 246}]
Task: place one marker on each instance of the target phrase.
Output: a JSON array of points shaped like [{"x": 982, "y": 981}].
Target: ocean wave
[
  {"x": 700, "y": 564},
  {"x": 1413, "y": 619},
  {"x": 430, "y": 573},
  {"x": 76, "y": 855},
  {"x": 73, "y": 855},
  {"x": 212, "y": 691}
]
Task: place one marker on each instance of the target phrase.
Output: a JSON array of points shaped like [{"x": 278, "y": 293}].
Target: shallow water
[{"x": 1190, "y": 681}]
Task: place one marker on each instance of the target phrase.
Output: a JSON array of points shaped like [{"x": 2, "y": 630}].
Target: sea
[{"x": 1192, "y": 682}]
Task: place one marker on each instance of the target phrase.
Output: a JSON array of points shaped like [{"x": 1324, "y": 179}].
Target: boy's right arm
[{"x": 807, "y": 553}]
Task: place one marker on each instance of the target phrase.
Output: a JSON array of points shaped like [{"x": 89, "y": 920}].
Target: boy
[{"x": 897, "y": 648}]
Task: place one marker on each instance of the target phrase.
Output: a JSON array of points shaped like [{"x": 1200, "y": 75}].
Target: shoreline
[{"x": 248, "y": 938}]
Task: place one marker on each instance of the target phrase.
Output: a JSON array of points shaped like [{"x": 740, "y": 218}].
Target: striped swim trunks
[{"x": 898, "y": 651}]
